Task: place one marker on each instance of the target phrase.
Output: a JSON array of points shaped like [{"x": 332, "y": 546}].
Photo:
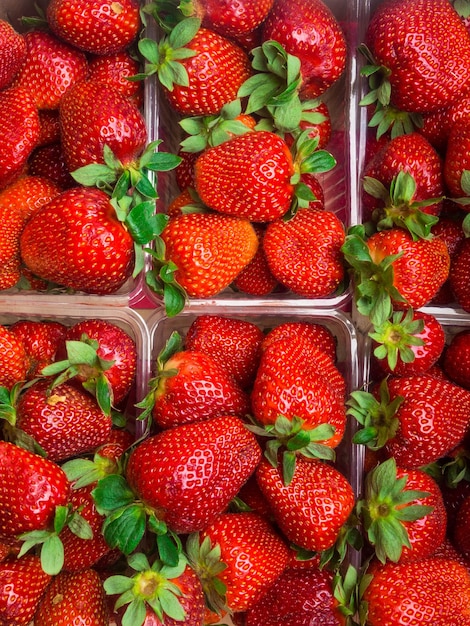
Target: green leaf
[
  {"x": 168, "y": 551},
  {"x": 112, "y": 492},
  {"x": 135, "y": 613},
  {"x": 171, "y": 605},
  {"x": 184, "y": 32},
  {"x": 125, "y": 528},
  {"x": 144, "y": 224},
  {"x": 52, "y": 555},
  {"x": 114, "y": 585},
  {"x": 163, "y": 162}
]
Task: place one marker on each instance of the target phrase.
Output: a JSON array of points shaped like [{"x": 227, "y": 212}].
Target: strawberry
[
  {"x": 256, "y": 278},
  {"x": 459, "y": 276},
  {"x": 437, "y": 125},
  {"x": 436, "y": 588},
  {"x": 41, "y": 340},
  {"x": 312, "y": 509},
  {"x": 449, "y": 229},
  {"x": 397, "y": 61},
  {"x": 248, "y": 176},
  {"x": 97, "y": 27},
  {"x": 309, "y": 30},
  {"x": 94, "y": 114},
  {"x": 49, "y": 127},
  {"x": 232, "y": 342},
  {"x": 13, "y": 52},
  {"x": 321, "y": 336},
  {"x": 64, "y": 421},
  {"x": 456, "y": 362},
  {"x": 227, "y": 454},
  {"x": 392, "y": 198},
  {"x": 238, "y": 539},
  {"x": 116, "y": 69},
  {"x": 403, "y": 513},
  {"x": 204, "y": 253},
  {"x": 14, "y": 361},
  {"x": 456, "y": 161},
  {"x": 50, "y": 68},
  {"x": 73, "y": 597},
  {"x": 77, "y": 241},
  {"x": 200, "y": 71},
  {"x": 49, "y": 162},
  {"x": 31, "y": 489},
  {"x": 304, "y": 253},
  {"x": 393, "y": 418},
  {"x": 409, "y": 343},
  {"x": 22, "y": 585},
  {"x": 391, "y": 269},
  {"x": 460, "y": 533},
  {"x": 20, "y": 132},
  {"x": 102, "y": 356},
  {"x": 229, "y": 18}
]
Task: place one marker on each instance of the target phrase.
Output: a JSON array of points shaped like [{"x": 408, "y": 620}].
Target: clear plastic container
[{"x": 338, "y": 184}]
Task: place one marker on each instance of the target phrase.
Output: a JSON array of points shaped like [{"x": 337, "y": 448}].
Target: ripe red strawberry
[
  {"x": 22, "y": 585},
  {"x": 221, "y": 452},
  {"x": 408, "y": 501},
  {"x": 437, "y": 125},
  {"x": 391, "y": 269},
  {"x": 192, "y": 386},
  {"x": 232, "y": 342},
  {"x": 115, "y": 69},
  {"x": 110, "y": 374},
  {"x": 50, "y": 128},
  {"x": 456, "y": 159},
  {"x": 51, "y": 67},
  {"x": 393, "y": 36},
  {"x": 14, "y": 359},
  {"x": 389, "y": 198},
  {"x": 248, "y": 176},
  {"x": 459, "y": 274},
  {"x": 320, "y": 336},
  {"x": 49, "y": 162},
  {"x": 304, "y": 253},
  {"x": 209, "y": 68},
  {"x": 450, "y": 230},
  {"x": 20, "y": 132},
  {"x": 76, "y": 597},
  {"x": 297, "y": 597},
  {"x": 64, "y": 421},
  {"x": 230, "y": 18},
  {"x": 41, "y": 340},
  {"x": 456, "y": 362},
  {"x": 77, "y": 241},
  {"x": 309, "y": 30},
  {"x": 437, "y": 588},
  {"x": 96, "y": 26},
  {"x": 409, "y": 343},
  {"x": 256, "y": 278},
  {"x": 12, "y": 53},
  {"x": 31, "y": 489},
  {"x": 312, "y": 509},
  {"x": 206, "y": 251},
  {"x": 396, "y": 422},
  {"x": 461, "y": 538},
  {"x": 236, "y": 534},
  {"x": 93, "y": 115}
]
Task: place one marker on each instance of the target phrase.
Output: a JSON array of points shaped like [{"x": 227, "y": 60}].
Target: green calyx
[
  {"x": 52, "y": 549},
  {"x": 287, "y": 438},
  {"x": 386, "y": 117},
  {"x": 82, "y": 472},
  {"x": 152, "y": 585},
  {"x": 345, "y": 591},
  {"x": 378, "y": 417},
  {"x": 375, "y": 292},
  {"x": 273, "y": 89},
  {"x": 400, "y": 209},
  {"x": 386, "y": 505},
  {"x": 395, "y": 336},
  {"x": 211, "y": 130},
  {"x": 205, "y": 559}
]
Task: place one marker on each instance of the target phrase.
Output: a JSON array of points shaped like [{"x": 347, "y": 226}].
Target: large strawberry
[
  {"x": 320, "y": 336},
  {"x": 50, "y": 68},
  {"x": 304, "y": 253},
  {"x": 77, "y": 241},
  {"x": 116, "y": 69},
  {"x": 99, "y": 26},
  {"x": 22, "y": 585},
  {"x": 312, "y": 509},
  {"x": 309, "y": 30},
  {"x": 20, "y": 133},
  {"x": 230, "y": 18},
  {"x": 437, "y": 588},
  {"x": 230, "y": 536},
  {"x": 13, "y": 52}
]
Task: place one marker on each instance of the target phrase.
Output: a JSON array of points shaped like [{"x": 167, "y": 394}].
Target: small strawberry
[
  {"x": 50, "y": 128},
  {"x": 460, "y": 533},
  {"x": 20, "y": 132},
  {"x": 41, "y": 340},
  {"x": 312, "y": 509},
  {"x": 77, "y": 241},
  {"x": 76, "y": 597},
  {"x": 304, "y": 253},
  {"x": 22, "y": 586},
  {"x": 320, "y": 336},
  {"x": 50, "y": 68},
  {"x": 232, "y": 342},
  {"x": 459, "y": 274},
  {"x": 229, "y": 18},
  {"x": 14, "y": 361},
  {"x": 116, "y": 69},
  {"x": 456, "y": 361},
  {"x": 49, "y": 162},
  {"x": 256, "y": 278},
  {"x": 220, "y": 554},
  {"x": 13, "y": 52},
  {"x": 99, "y": 26},
  {"x": 449, "y": 229}
]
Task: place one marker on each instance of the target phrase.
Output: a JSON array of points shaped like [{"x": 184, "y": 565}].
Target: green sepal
[
  {"x": 395, "y": 336},
  {"x": 111, "y": 493},
  {"x": 144, "y": 224},
  {"x": 124, "y": 528}
]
